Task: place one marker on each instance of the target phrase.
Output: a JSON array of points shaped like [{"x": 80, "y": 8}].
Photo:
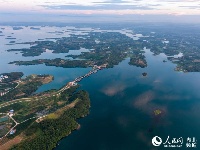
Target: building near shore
[{"x": 12, "y": 131}]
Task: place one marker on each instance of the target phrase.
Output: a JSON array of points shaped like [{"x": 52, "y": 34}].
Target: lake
[{"x": 123, "y": 102}]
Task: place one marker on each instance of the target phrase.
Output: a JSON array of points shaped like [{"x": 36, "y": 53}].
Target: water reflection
[{"x": 124, "y": 105}]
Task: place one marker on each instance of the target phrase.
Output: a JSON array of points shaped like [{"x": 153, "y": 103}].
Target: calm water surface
[
  {"x": 123, "y": 103},
  {"x": 61, "y": 75}
]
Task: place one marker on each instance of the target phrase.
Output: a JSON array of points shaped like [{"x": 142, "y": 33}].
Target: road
[{"x": 36, "y": 98}]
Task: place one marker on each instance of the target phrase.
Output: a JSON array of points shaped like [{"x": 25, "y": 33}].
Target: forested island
[
  {"x": 180, "y": 44},
  {"x": 138, "y": 60},
  {"x": 58, "y": 62},
  {"x": 41, "y": 120},
  {"x": 112, "y": 49}
]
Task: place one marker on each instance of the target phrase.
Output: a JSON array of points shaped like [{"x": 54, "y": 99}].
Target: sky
[{"x": 98, "y": 7}]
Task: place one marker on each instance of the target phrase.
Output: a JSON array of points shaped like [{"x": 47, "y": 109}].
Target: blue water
[
  {"x": 61, "y": 75},
  {"x": 123, "y": 103}
]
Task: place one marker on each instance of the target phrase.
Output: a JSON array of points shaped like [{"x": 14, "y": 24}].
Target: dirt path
[
  {"x": 71, "y": 105},
  {"x": 11, "y": 143}
]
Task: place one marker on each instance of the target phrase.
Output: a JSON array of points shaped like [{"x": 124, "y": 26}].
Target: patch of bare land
[{"x": 12, "y": 142}]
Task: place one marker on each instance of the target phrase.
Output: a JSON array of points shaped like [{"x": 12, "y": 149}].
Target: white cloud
[{"x": 189, "y": 7}]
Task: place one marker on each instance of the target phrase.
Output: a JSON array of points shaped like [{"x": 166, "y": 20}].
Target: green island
[
  {"x": 112, "y": 49},
  {"x": 39, "y": 121},
  {"x": 138, "y": 61},
  {"x": 180, "y": 44},
  {"x": 144, "y": 74},
  {"x": 157, "y": 112},
  {"x": 58, "y": 62}
]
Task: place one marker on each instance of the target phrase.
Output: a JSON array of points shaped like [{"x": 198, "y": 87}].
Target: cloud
[
  {"x": 145, "y": 103},
  {"x": 114, "y": 89},
  {"x": 112, "y": 2},
  {"x": 191, "y": 7},
  {"x": 143, "y": 99},
  {"x": 188, "y": 7},
  {"x": 128, "y": 6},
  {"x": 98, "y": 7}
]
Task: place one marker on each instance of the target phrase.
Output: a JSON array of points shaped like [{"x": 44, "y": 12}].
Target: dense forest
[
  {"x": 47, "y": 133},
  {"x": 138, "y": 61},
  {"x": 112, "y": 49}
]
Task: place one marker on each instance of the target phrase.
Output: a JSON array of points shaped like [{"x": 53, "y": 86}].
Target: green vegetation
[
  {"x": 47, "y": 117},
  {"x": 112, "y": 49},
  {"x": 157, "y": 112},
  {"x": 58, "y": 62},
  {"x": 180, "y": 44},
  {"x": 5, "y": 124},
  {"x": 8, "y": 82},
  {"x": 62, "y": 45},
  {"x": 138, "y": 61},
  {"x": 44, "y": 118},
  {"x": 24, "y": 87},
  {"x": 144, "y": 74},
  {"x": 47, "y": 133},
  {"x": 13, "y": 76}
]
